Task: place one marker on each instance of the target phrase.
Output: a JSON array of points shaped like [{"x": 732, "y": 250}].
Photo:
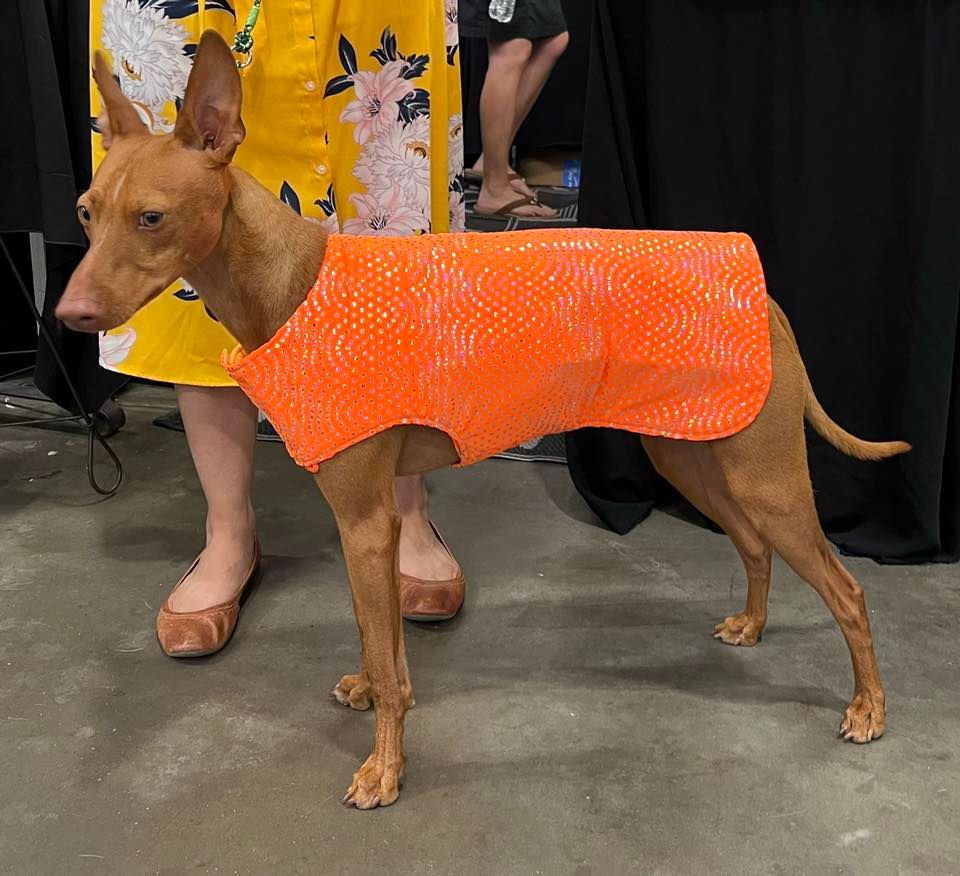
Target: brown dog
[{"x": 162, "y": 207}]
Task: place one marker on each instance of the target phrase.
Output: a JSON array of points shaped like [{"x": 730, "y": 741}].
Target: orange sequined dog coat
[{"x": 496, "y": 339}]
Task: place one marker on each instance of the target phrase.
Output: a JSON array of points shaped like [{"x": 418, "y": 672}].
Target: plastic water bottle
[{"x": 502, "y": 10}]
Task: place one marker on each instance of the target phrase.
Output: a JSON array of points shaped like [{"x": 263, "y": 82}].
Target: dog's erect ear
[
  {"x": 210, "y": 116},
  {"x": 118, "y": 116}
]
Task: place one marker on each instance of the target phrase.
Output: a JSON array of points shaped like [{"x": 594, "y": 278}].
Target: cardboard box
[{"x": 551, "y": 168}]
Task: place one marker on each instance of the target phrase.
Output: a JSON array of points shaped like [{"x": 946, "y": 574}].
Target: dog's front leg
[
  {"x": 358, "y": 484},
  {"x": 370, "y": 548},
  {"x": 356, "y": 691}
]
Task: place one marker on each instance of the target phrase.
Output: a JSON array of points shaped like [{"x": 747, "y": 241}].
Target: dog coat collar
[{"x": 497, "y": 339}]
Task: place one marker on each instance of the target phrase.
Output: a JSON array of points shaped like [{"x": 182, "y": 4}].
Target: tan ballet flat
[
  {"x": 432, "y": 600},
  {"x": 198, "y": 633}
]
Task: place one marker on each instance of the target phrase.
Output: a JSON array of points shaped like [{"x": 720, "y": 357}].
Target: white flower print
[
  {"x": 328, "y": 223},
  {"x": 458, "y": 211},
  {"x": 147, "y": 52},
  {"x": 400, "y": 156},
  {"x": 450, "y": 26},
  {"x": 116, "y": 346},
  {"x": 455, "y": 147},
  {"x": 377, "y": 105},
  {"x": 385, "y": 215}
]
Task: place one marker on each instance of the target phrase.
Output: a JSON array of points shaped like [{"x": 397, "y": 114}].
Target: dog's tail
[{"x": 817, "y": 417}]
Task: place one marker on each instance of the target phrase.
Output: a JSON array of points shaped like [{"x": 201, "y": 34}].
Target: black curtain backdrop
[
  {"x": 44, "y": 164},
  {"x": 830, "y": 132}
]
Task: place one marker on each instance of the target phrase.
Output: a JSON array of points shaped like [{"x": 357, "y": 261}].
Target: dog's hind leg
[
  {"x": 358, "y": 484},
  {"x": 776, "y": 495},
  {"x": 765, "y": 470},
  {"x": 798, "y": 538},
  {"x": 690, "y": 468}
]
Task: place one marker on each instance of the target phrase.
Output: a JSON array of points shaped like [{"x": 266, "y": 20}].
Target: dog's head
[{"x": 155, "y": 207}]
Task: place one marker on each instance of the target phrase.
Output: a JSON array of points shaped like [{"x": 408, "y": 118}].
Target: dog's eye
[
  {"x": 150, "y": 219},
  {"x": 83, "y": 213}
]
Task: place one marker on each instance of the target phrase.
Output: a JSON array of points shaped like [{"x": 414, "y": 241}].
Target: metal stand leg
[{"x": 99, "y": 425}]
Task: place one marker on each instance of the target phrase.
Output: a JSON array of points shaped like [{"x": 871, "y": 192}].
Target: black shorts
[{"x": 532, "y": 20}]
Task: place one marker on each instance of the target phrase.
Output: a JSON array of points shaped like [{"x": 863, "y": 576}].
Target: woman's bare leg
[
  {"x": 421, "y": 555},
  {"x": 221, "y": 427},
  {"x": 536, "y": 71},
  {"x": 498, "y": 112}
]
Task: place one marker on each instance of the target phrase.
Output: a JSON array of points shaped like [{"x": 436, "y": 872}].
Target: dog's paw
[
  {"x": 375, "y": 784},
  {"x": 864, "y": 720},
  {"x": 353, "y": 691},
  {"x": 741, "y": 629}
]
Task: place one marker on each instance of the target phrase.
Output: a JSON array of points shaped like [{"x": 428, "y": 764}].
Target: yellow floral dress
[{"x": 352, "y": 111}]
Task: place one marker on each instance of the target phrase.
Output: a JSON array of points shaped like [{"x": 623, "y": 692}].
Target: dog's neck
[{"x": 263, "y": 265}]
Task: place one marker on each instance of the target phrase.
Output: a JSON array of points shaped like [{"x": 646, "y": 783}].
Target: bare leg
[
  {"x": 421, "y": 554},
  {"x": 498, "y": 112},
  {"x": 536, "y": 71},
  {"x": 221, "y": 427},
  {"x": 543, "y": 59}
]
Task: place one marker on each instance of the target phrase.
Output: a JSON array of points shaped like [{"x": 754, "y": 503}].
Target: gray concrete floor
[{"x": 578, "y": 718}]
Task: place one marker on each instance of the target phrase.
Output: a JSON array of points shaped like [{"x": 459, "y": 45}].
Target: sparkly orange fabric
[{"x": 496, "y": 339}]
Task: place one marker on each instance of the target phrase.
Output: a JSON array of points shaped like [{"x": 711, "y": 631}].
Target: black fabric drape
[
  {"x": 44, "y": 164},
  {"x": 830, "y": 133},
  {"x": 556, "y": 119},
  {"x": 18, "y": 331}
]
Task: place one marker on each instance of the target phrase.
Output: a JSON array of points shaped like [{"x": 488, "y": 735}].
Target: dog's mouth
[
  {"x": 93, "y": 325},
  {"x": 88, "y": 324}
]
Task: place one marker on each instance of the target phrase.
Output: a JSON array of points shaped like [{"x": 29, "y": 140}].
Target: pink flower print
[
  {"x": 377, "y": 105},
  {"x": 385, "y": 214}
]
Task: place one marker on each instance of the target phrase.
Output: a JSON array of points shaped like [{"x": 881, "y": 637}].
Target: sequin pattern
[{"x": 499, "y": 338}]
